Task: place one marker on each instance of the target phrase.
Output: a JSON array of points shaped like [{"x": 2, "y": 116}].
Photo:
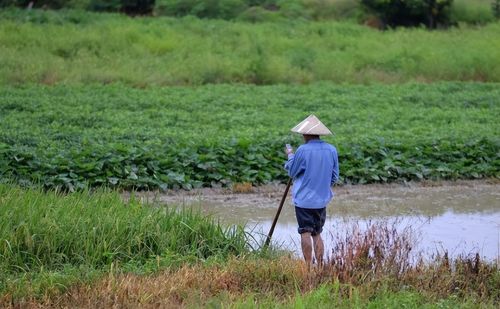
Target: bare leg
[
  {"x": 319, "y": 249},
  {"x": 306, "y": 243}
]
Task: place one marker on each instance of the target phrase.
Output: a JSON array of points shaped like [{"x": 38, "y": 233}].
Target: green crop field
[{"x": 76, "y": 136}]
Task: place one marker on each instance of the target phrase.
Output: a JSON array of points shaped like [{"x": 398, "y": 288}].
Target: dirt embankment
[{"x": 426, "y": 196}]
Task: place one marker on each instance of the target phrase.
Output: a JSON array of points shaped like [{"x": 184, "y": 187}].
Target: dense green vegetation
[
  {"x": 411, "y": 13},
  {"x": 81, "y": 105},
  {"x": 74, "y": 47},
  {"x": 375, "y": 12},
  {"x": 478, "y": 12},
  {"x": 74, "y": 136}
]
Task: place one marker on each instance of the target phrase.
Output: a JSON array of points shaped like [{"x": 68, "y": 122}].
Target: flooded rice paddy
[{"x": 459, "y": 217}]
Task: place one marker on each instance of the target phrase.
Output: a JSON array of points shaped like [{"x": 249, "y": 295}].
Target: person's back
[{"x": 314, "y": 169}]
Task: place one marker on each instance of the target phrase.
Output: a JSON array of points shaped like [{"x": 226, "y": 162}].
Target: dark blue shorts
[{"x": 310, "y": 220}]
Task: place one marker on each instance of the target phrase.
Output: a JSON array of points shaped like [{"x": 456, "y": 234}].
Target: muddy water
[{"x": 461, "y": 217}]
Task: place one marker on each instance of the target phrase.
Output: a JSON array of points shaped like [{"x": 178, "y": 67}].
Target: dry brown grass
[
  {"x": 49, "y": 78},
  {"x": 243, "y": 187},
  {"x": 371, "y": 260},
  {"x": 187, "y": 286},
  {"x": 380, "y": 251}
]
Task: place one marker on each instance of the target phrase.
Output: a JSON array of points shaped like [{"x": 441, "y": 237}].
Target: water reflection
[
  {"x": 457, "y": 233},
  {"x": 457, "y": 218}
]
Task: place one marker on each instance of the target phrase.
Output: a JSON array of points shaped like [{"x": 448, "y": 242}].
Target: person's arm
[
  {"x": 295, "y": 164},
  {"x": 335, "y": 172}
]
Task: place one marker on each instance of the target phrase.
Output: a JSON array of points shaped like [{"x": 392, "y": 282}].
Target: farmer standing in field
[{"x": 314, "y": 168}]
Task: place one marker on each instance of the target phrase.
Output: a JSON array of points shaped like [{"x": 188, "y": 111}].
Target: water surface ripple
[{"x": 461, "y": 217}]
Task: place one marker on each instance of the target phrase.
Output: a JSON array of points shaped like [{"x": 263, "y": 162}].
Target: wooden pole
[{"x": 271, "y": 231}]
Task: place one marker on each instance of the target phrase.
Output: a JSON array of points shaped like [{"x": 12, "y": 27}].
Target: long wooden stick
[{"x": 271, "y": 231}]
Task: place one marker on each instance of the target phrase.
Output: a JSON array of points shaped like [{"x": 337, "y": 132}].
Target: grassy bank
[
  {"x": 93, "y": 250},
  {"x": 75, "y": 47},
  {"x": 75, "y": 136},
  {"x": 48, "y": 239},
  {"x": 278, "y": 283}
]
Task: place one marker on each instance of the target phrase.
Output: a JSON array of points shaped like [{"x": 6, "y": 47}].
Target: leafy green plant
[{"x": 73, "y": 137}]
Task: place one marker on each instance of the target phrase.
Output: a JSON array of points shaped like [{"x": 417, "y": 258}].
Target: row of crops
[{"x": 181, "y": 137}]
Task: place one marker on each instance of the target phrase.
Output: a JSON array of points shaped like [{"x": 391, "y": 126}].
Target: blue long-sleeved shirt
[{"x": 314, "y": 169}]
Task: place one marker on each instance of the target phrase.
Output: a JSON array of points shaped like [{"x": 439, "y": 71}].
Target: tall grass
[
  {"x": 79, "y": 48},
  {"x": 50, "y": 231},
  {"x": 382, "y": 255},
  {"x": 357, "y": 275}
]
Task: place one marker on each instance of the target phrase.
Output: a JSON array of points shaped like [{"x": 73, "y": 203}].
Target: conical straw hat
[{"x": 311, "y": 126}]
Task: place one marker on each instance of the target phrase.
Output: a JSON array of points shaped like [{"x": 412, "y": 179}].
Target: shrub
[
  {"x": 257, "y": 14},
  {"x": 52, "y": 4},
  {"x": 104, "y": 5},
  {"x": 225, "y": 9},
  {"x": 131, "y": 7},
  {"x": 495, "y": 7},
  {"x": 410, "y": 13},
  {"x": 471, "y": 12},
  {"x": 127, "y": 6}
]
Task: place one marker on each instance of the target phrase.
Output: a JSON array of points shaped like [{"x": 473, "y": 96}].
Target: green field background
[
  {"x": 91, "y": 100},
  {"x": 73, "y": 47}
]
